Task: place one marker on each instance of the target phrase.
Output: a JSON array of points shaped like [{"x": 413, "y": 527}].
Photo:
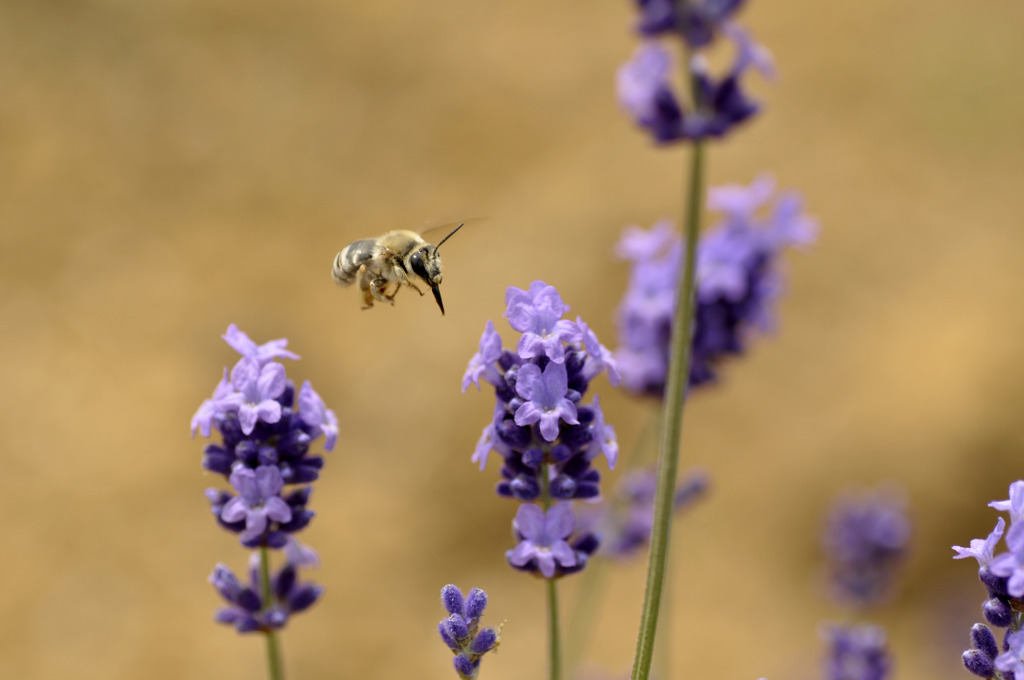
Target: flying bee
[{"x": 382, "y": 265}]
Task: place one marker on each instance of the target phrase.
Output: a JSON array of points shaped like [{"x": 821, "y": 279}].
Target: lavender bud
[
  {"x": 446, "y": 635},
  {"x": 997, "y": 612},
  {"x": 984, "y": 641},
  {"x": 996, "y": 585},
  {"x": 304, "y": 597},
  {"x": 451, "y": 598},
  {"x": 463, "y": 666},
  {"x": 457, "y": 627},
  {"x": 475, "y": 603},
  {"x": 979, "y": 664},
  {"x": 484, "y": 641}
]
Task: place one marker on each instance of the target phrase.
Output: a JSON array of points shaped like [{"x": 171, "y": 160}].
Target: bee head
[{"x": 426, "y": 264}]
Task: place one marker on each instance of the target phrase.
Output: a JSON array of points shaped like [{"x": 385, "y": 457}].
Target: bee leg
[
  {"x": 380, "y": 294},
  {"x": 365, "y": 286}
]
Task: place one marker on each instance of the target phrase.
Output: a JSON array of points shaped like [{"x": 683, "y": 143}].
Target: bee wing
[{"x": 435, "y": 230}]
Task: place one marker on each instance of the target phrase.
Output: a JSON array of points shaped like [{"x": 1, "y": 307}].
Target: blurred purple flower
[
  {"x": 856, "y": 653},
  {"x": 258, "y": 500},
  {"x": 865, "y": 540},
  {"x": 737, "y": 282}
]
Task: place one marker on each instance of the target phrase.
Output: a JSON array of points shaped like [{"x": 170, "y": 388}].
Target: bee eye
[{"x": 416, "y": 262}]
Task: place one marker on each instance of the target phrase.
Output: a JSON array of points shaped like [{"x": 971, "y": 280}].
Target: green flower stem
[
  {"x": 275, "y": 669},
  {"x": 555, "y": 646},
  {"x": 554, "y": 640},
  {"x": 672, "y": 422}
]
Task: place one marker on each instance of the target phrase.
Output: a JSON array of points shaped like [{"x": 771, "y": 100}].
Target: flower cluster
[
  {"x": 264, "y": 448},
  {"x": 625, "y": 523},
  {"x": 248, "y": 611},
  {"x": 737, "y": 283},
  {"x": 547, "y": 437},
  {"x": 645, "y": 86},
  {"x": 461, "y": 630},
  {"x": 1003, "y": 578},
  {"x": 856, "y": 653},
  {"x": 865, "y": 540}
]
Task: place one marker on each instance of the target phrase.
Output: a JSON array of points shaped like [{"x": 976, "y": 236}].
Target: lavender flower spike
[
  {"x": 266, "y": 432},
  {"x": 461, "y": 630}
]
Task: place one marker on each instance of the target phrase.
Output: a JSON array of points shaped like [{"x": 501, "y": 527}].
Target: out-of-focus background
[{"x": 172, "y": 166}]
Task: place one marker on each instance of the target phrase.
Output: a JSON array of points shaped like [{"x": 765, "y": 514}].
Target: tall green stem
[
  {"x": 555, "y": 645},
  {"x": 672, "y": 421},
  {"x": 275, "y": 669}
]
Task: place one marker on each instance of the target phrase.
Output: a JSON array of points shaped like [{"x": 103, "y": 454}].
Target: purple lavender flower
[
  {"x": 1011, "y": 660},
  {"x": 256, "y": 391},
  {"x": 865, "y": 540},
  {"x": 544, "y": 432},
  {"x": 1011, "y": 565},
  {"x": 695, "y": 22},
  {"x": 982, "y": 549},
  {"x": 247, "y": 611},
  {"x": 544, "y": 393},
  {"x": 1003, "y": 578},
  {"x": 537, "y": 314},
  {"x": 646, "y": 90},
  {"x": 241, "y": 343},
  {"x": 543, "y": 546},
  {"x": 209, "y": 412},
  {"x": 258, "y": 501},
  {"x": 264, "y": 453},
  {"x": 482, "y": 363},
  {"x": 856, "y": 653},
  {"x": 320, "y": 419},
  {"x": 1015, "y": 504},
  {"x": 737, "y": 284},
  {"x": 461, "y": 630}
]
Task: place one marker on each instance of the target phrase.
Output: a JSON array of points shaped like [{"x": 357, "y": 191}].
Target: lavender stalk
[{"x": 668, "y": 456}]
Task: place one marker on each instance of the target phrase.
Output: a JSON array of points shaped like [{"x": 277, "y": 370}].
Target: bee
[{"x": 382, "y": 265}]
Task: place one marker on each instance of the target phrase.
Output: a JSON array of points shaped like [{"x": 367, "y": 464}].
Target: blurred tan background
[{"x": 169, "y": 167}]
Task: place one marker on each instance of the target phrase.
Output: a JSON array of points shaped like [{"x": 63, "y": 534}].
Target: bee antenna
[{"x": 438, "y": 246}]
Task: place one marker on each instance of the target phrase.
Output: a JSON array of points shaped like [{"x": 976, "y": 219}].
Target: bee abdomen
[{"x": 347, "y": 262}]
